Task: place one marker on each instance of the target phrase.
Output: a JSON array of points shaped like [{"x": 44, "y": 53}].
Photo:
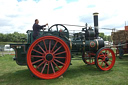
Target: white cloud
[{"x": 20, "y": 16}]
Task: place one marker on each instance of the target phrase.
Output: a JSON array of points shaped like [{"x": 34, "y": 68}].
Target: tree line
[
  {"x": 105, "y": 37},
  {"x": 12, "y": 37},
  {"x": 18, "y": 37}
]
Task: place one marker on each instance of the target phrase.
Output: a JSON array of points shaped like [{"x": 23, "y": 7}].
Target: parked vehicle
[{"x": 7, "y": 48}]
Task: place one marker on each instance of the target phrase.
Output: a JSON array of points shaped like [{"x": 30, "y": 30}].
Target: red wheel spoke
[
  {"x": 109, "y": 57},
  {"x": 105, "y": 51},
  {"x": 49, "y": 46},
  {"x": 37, "y": 61},
  {"x": 56, "y": 65},
  {"x": 60, "y": 53},
  {"x": 54, "y": 46},
  {"x": 41, "y": 48},
  {"x": 106, "y": 54},
  {"x": 37, "y": 51},
  {"x": 100, "y": 56},
  {"x": 59, "y": 57},
  {"x": 109, "y": 53},
  {"x": 103, "y": 54},
  {"x": 105, "y": 65},
  {"x": 110, "y": 60},
  {"x": 59, "y": 62},
  {"x": 48, "y": 68},
  {"x": 57, "y": 49},
  {"x": 43, "y": 67},
  {"x": 101, "y": 63},
  {"x": 45, "y": 45},
  {"x": 40, "y": 64},
  {"x": 53, "y": 68},
  {"x": 37, "y": 56}
]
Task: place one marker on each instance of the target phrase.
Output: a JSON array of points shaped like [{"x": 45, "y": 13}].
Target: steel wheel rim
[
  {"x": 106, "y": 59},
  {"x": 49, "y": 62}
]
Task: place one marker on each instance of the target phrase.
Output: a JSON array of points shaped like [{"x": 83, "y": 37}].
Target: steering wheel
[{"x": 58, "y": 28}]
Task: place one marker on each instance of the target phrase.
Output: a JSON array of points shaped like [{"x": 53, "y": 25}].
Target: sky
[{"x": 19, "y": 15}]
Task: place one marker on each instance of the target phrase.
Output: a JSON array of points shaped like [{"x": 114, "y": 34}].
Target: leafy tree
[
  {"x": 105, "y": 37},
  {"x": 12, "y": 37},
  {"x": 1, "y": 36}
]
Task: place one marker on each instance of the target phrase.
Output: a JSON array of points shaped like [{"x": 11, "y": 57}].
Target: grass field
[
  {"x": 77, "y": 74},
  {"x": 3, "y": 43}
]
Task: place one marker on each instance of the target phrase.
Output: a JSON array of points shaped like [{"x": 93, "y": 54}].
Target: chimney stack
[{"x": 96, "y": 24}]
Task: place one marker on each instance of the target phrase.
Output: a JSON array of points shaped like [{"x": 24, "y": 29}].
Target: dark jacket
[{"x": 36, "y": 30}]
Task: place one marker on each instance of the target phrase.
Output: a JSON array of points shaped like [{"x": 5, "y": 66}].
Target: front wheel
[{"x": 105, "y": 59}]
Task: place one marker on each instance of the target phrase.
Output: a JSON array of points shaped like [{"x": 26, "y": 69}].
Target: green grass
[
  {"x": 77, "y": 74},
  {"x": 8, "y": 42},
  {"x": 4, "y": 43}
]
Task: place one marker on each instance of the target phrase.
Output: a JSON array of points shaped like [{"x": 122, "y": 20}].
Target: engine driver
[{"x": 37, "y": 28}]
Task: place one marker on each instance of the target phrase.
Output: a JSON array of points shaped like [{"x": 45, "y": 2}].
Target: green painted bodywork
[
  {"x": 76, "y": 45},
  {"x": 21, "y": 49},
  {"x": 20, "y": 53}
]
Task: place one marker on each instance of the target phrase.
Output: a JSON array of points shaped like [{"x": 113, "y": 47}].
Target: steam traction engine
[{"x": 49, "y": 56}]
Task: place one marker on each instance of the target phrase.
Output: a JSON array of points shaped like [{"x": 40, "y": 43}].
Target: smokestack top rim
[{"x": 95, "y": 14}]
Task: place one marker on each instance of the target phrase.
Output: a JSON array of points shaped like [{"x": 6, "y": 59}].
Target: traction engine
[{"x": 49, "y": 56}]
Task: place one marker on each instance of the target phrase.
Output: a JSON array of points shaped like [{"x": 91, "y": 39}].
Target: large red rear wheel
[
  {"x": 105, "y": 59},
  {"x": 48, "y": 57}
]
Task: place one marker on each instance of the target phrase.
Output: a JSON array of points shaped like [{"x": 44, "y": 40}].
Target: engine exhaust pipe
[{"x": 95, "y": 15}]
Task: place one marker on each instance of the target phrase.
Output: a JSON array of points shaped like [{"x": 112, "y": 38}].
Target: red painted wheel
[
  {"x": 105, "y": 59},
  {"x": 48, "y": 57},
  {"x": 89, "y": 58}
]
